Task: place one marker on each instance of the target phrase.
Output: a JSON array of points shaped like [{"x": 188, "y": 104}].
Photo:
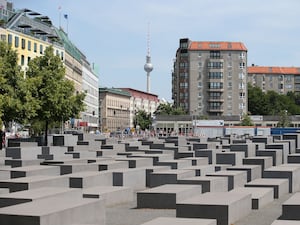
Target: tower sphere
[{"x": 148, "y": 67}]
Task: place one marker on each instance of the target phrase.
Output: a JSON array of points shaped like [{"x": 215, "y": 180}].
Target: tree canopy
[
  {"x": 271, "y": 102},
  {"x": 40, "y": 97},
  {"x": 50, "y": 93},
  {"x": 11, "y": 80},
  {"x": 143, "y": 119},
  {"x": 168, "y": 109}
]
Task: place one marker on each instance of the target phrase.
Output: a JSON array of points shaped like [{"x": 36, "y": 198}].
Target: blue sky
[{"x": 113, "y": 34}]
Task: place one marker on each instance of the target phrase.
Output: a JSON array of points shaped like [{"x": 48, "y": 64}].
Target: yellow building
[{"x": 30, "y": 33}]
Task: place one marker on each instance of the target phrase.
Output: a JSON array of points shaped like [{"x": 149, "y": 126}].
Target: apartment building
[
  {"x": 279, "y": 79},
  {"x": 114, "y": 108},
  {"x": 141, "y": 100},
  {"x": 30, "y": 33},
  {"x": 210, "y": 78}
]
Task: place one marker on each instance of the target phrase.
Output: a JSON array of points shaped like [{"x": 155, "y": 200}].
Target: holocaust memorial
[{"x": 90, "y": 179}]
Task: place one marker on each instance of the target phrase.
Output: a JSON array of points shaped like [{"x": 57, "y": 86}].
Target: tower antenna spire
[{"x": 148, "y": 67}]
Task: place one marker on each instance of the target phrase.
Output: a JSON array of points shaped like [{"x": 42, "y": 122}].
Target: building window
[
  {"x": 183, "y": 75},
  {"x": 35, "y": 47},
  {"x": 215, "y": 85},
  {"x": 242, "y": 65},
  {"x": 29, "y": 45},
  {"x": 62, "y": 56},
  {"x": 23, "y": 43},
  {"x": 200, "y": 64},
  {"x": 215, "y": 105},
  {"x": 199, "y": 54},
  {"x": 16, "y": 41},
  {"x": 241, "y": 76},
  {"x": 41, "y": 49},
  {"x": 215, "y": 75},
  {"x": 28, "y": 59},
  {"x": 183, "y": 85},
  {"x": 183, "y": 45},
  {"x": 241, "y": 86},
  {"x": 3, "y": 37},
  {"x": 215, "y": 65},
  {"x": 214, "y": 45},
  {"x": 280, "y": 86},
  {"x": 22, "y": 60},
  {"x": 242, "y": 55},
  {"x": 199, "y": 84},
  {"x": 215, "y": 54},
  {"x": 9, "y": 39},
  {"x": 242, "y": 95},
  {"x": 242, "y": 105},
  {"x": 215, "y": 95}
]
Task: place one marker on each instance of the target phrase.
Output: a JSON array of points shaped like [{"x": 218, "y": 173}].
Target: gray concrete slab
[
  {"x": 247, "y": 148},
  {"x": 290, "y": 172},
  {"x": 263, "y": 161},
  {"x": 209, "y": 184},
  {"x": 166, "y": 196},
  {"x": 87, "y": 179},
  {"x": 112, "y": 195},
  {"x": 236, "y": 178},
  {"x": 168, "y": 176},
  {"x": 260, "y": 196},
  {"x": 19, "y": 197},
  {"x": 285, "y": 222},
  {"x": 253, "y": 171},
  {"x": 34, "y": 170},
  {"x": 25, "y": 183},
  {"x": 54, "y": 211},
  {"x": 201, "y": 170},
  {"x": 280, "y": 186},
  {"x": 231, "y": 207},
  {"x": 276, "y": 154},
  {"x": 231, "y": 158},
  {"x": 110, "y": 164},
  {"x": 180, "y": 221},
  {"x": 133, "y": 177},
  {"x": 175, "y": 164},
  {"x": 291, "y": 208}
]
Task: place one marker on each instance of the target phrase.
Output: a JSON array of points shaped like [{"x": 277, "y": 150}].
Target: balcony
[
  {"x": 210, "y": 99},
  {"x": 215, "y": 109},
  {"x": 221, "y": 89}
]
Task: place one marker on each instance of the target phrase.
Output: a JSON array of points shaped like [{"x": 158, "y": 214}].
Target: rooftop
[
  {"x": 217, "y": 45},
  {"x": 273, "y": 70}
]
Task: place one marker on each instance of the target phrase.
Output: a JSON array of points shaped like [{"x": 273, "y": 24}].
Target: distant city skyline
[{"x": 113, "y": 34}]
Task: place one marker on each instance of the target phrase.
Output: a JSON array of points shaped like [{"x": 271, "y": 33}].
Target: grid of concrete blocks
[{"x": 208, "y": 181}]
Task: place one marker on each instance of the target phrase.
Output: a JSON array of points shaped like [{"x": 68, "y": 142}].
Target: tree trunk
[{"x": 46, "y": 134}]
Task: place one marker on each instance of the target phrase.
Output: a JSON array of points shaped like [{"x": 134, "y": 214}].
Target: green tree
[
  {"x": 284, "y": 120},
  {"x": 246, "y": 120},
  {"x": 257, "y": 103},
  {"x": 168, "y": 109},
  {"x": 143, "y": 119},
  {"x": 54, "y": 95},
  {"x": 11, "y": 81}
]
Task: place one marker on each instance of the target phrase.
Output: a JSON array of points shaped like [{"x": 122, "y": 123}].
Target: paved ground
[{"x": 128, "y": 214}]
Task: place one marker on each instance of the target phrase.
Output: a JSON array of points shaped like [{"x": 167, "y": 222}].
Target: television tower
[{"x": 148, "y": 67}]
